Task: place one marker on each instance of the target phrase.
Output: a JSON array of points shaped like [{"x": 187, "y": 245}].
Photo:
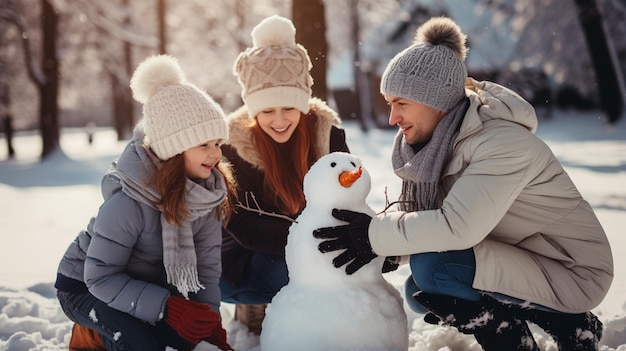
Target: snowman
[{"x": 322, "y": 308}]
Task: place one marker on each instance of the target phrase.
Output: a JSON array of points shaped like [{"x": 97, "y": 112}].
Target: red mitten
[
  {"x": 218, "y": 338},
  {"x": 192, "y": 320}
]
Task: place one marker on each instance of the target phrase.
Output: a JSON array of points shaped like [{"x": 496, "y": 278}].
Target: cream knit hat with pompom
[
  {"x": 275, "y": 70},
  {"x": 176, "y": 114}
]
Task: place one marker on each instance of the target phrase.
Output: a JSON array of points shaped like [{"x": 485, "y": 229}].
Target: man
[{"x": 496, "y": 231}]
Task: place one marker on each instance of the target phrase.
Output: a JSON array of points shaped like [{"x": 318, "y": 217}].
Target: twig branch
[
  {"x": 257, "y": 208},
  {"x": 388, "y": 204}
]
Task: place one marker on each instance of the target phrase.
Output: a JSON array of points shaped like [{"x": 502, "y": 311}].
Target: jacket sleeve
[
  {"x": 116, "y": 230},
  {"x": 475, "y": 204}
]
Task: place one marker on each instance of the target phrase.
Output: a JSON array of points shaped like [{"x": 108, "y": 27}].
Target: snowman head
[{"x": 337, "y": 180}]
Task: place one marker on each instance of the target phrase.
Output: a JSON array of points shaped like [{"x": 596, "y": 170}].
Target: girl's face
[
  {"x": 200, "y": 160},
  {"x": 279, "y": 122}
]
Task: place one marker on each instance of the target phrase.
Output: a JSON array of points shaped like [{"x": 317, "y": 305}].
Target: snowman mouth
[{"x": 346, "y": 179}]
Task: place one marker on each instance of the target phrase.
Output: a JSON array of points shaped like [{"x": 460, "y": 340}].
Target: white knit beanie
[
  {"x": 432, "y": 70},
  {"x": 176, "y": 114},
  {"x": 275, "y": 70}
]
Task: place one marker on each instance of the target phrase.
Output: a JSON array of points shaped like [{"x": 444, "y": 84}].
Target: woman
[
  {"x": 275, "y": 137},
  {"x": 144, "y": 274}
]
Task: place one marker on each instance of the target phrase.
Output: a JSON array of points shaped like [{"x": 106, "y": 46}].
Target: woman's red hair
[{"x": 286, "y": 164}]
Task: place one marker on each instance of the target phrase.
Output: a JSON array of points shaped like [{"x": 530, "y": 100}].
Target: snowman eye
[
  {"x": 333, "y": 164},
  {"x": 353, "y": 164}
]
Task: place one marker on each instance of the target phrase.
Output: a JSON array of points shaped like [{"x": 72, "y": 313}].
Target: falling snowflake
[{"x": 92, "y": 316}]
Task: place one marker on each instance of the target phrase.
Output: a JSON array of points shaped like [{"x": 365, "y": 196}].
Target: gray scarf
[
  {"x": 136, "y": 165},
  {"x": 420, "y": 172}
]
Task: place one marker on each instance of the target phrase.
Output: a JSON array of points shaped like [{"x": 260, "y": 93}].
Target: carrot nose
[{"x": 348, "y": 178}]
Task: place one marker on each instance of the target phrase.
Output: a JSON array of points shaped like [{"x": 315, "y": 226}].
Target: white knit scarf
[{"x": 421, "y": 172}]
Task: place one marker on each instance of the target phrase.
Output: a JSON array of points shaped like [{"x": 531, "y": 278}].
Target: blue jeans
[
  {"x": 119, "y": 330},
  {"x": 264, "y": 276},
  {"x": 449, "y": 273}
]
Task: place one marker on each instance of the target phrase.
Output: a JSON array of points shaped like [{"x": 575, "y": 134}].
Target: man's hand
[{"x": 353, "y": 238}]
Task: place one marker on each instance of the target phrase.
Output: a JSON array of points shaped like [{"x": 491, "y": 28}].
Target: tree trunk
[
  {"x": 161, "y": 11},
  {"x": 361, "y": 88},
  {"x": 7, "y": 121},
  {"x": 5, "y": 108},
  {"x": 310, "y": 22},
  {"x": 128, "y": 109},
  {"x": 602, "y": 58},
  {"x": 123, "y": 108},
  {"x": 49, "y": 90}
]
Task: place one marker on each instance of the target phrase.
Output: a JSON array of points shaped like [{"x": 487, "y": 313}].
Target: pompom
[
  {"x": 442, "y": 31},
  {"x": 274, "y": 30},
  {"x": 153, "y": 74}
]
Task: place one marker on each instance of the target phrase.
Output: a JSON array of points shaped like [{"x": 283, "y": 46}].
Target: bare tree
[
  {"x": 119, "y": 75},
  {"x": 45, "y": 78},
  {"x": 113, "y": 21},
  {"x": 360, "y": 79},
  {"x": 604, "y": 60},
  {"x": 161, "y": 11},
  {"x": 564, "y": 39},
  {"x": 310, "y": 22},
  {"x": 49, "y": 87},
  {"x": 124, "y": 108},
  {"x": 5, "y": 114},
  {"x": 5, "y": 97}
]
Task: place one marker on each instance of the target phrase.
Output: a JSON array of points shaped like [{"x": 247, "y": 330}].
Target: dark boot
[
  {"x": 494, "y": 325},
  {"x": 572, "y": 332},
  {"x": 251, "y": 316}
]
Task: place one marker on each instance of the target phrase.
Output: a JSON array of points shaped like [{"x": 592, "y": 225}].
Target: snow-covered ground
[{"x": 43, "y": 205}]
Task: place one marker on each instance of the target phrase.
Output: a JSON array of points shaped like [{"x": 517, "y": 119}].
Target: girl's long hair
[
  {"x": 170, "y": 181},
  {"x": 286, "y": 164}
]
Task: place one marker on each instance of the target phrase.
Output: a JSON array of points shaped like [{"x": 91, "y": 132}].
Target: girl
[
  {"x": 144, "y": 274},
  {"x": 279, "y": 133}
]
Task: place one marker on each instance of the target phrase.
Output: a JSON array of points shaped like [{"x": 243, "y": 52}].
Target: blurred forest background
[{"x": 67, "y": 63}]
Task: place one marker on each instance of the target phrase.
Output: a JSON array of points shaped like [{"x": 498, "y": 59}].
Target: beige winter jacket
[{"x": 506, "y": 195}]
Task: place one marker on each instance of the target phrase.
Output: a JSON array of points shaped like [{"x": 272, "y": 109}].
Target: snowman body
[{"x": 323, "y": 308}]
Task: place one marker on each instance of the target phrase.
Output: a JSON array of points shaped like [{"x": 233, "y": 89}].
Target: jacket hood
[
  {"x": 137, "y": 165},
  {"x": 240, "y": 134},
  {"x": 134, "y": 160},
  {"x": 491, "y": 101}
]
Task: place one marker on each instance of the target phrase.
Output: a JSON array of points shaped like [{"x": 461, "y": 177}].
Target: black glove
[
  {"x": 431, "y": 318},
  {"x": 391, "y": 264},
  {"x": 352, "y": 237}
]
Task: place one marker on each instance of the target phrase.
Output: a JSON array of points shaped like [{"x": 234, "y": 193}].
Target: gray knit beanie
[
  {"x": 176, "y": 114},
  {"x": 275, "y": 70},
  {"x": 432, "y": 70}
]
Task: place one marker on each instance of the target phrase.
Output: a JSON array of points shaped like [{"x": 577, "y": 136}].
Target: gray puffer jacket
[{"x": 119, "y": 257}]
